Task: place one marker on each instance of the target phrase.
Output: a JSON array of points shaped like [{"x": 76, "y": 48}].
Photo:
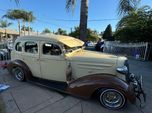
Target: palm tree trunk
[
  {"x": 83, "y": 19},
  {"x": 5, "y": 34},
  {"x": 24, "y": 27},
  {"x": 19, "y": 27},
  {"x": 28, "y": 28}
]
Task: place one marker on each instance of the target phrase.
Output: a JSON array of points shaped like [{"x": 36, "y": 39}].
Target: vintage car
[{"x": 62, "y": 63}]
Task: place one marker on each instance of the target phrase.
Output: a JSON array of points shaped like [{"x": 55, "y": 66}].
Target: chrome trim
[
  {"x": 138, "y": 87},
  {"x": 122, "y": 70}
]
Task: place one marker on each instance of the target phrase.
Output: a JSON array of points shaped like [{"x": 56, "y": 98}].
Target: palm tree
[
  {"x": 70, "y": 4},
  {"x": 16, "y": 1},
  {"x": 124, "y": 7},
  {"x": 135, "y": 26},
  {"x": 134, "y": 18},
  {"x": 4, "y": 24},
  {"x": 20, "y": 15},
  {"x": 127, "y": 6},
  {"x": 15, "y": 15},
  {"x": 29, "y": 17}
]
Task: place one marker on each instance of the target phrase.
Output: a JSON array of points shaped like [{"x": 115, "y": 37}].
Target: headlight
[{"x": 122, "y": 70}]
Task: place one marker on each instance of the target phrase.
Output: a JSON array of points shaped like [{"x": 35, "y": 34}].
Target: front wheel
[
  {"x": 19, "y": 73},
  {"x": 111, "y": 98}
]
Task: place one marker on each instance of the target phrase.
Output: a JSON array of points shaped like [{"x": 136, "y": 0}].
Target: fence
[{"x": 133, "y": 50}]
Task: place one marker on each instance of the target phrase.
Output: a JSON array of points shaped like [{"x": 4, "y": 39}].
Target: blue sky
[{"x": 52, "y": 13}]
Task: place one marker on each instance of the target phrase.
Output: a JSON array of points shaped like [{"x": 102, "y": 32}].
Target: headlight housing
[{"x": 123, "y": 70}]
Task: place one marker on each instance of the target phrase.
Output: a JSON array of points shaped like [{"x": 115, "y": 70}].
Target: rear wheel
[
  {"x": 19, "y": 73},
  {"x": 111, "y": 98}
]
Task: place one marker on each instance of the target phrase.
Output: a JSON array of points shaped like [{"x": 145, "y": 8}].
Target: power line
[
  {"x": 89, "y": 20},
  {"x": 48, "y": 22},
  {"x": 75, "y": 20}
]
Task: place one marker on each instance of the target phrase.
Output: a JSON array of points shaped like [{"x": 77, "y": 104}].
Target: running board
[{"x": 55, "y": 85}]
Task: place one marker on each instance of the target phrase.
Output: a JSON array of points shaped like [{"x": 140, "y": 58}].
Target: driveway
[{"x": 23, "y": 97}]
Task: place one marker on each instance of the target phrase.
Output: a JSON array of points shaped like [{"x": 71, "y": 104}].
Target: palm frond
[
  {"x": 144, "y": 8},
  {"x": 125, "y": 6},
  {"x": 16, "y": 1},
  {"x": 70, "y": 5},
  {"x": 4, "y": 23}
]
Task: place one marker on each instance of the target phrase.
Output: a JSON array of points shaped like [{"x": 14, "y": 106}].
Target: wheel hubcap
[
  {"x": 19, "y": 74},
  {"x": 112, "y": 99}
]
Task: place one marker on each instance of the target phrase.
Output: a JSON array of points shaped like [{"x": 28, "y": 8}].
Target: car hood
[{"x": 91, "y": 56}]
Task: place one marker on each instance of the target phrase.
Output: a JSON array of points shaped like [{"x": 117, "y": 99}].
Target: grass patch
[{"x": 2, "y": 108}]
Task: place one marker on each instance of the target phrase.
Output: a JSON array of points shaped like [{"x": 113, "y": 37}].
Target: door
[
  {"x": 52, "y": 61},
  {"x": 31, "y": 57}
]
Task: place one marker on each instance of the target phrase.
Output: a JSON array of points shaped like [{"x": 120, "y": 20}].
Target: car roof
[{"x": 67, "y": 40}]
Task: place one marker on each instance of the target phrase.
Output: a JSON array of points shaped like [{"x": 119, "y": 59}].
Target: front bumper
[{"x": 137, "y": 84}]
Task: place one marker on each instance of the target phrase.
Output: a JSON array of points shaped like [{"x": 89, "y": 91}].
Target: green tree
[
  {"x": 61, "y": 32},
  {"x": 108, "y": 33},
  {"x": 136, "y": 26},
  {"x": 92, "y": 35},
  {"x": 46, "y": 30},
  {"x": 4, "y": 24},
  {"x": 26, "y": 28}
]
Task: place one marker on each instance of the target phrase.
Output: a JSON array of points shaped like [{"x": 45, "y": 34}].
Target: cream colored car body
[{"x": 54, "y": 67}]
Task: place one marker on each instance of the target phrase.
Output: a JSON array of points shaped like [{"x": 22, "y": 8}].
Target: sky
[{"x": 53, "y": 15}]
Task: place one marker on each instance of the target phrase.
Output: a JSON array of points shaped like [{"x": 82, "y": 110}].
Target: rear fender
[{"x": 21, "y": 64}]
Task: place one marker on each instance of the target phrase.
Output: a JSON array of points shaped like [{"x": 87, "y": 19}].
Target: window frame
[
  {"x": 42, "y": 45},
  {"x": 21, "y": 46}
]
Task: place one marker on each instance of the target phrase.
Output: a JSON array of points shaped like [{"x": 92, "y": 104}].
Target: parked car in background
[
  {"x": 4, "y": 58},
  {"x": 61, "y": 63}
]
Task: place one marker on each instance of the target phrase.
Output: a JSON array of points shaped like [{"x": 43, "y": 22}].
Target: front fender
[{"x": 87, "y": 85}]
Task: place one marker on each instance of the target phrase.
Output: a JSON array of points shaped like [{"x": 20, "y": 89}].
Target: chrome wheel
[
  {"x": 19, "y": 73},
  {"x": 112, "y": 99}
]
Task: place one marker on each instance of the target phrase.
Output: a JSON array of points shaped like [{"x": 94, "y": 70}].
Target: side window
[
  {"x": 18, "y": 46},
  {"x": 51, "y": 49},
  {"x": 31, "y": 47}
]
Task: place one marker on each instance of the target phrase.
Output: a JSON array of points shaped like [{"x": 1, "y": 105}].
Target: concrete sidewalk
[{"x": 23, "y": 97}]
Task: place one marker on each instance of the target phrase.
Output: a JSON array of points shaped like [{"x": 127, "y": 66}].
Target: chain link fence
[{"x": 141, "y": 51}]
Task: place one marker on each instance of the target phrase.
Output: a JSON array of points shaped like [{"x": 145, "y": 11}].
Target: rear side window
[
  {"x": 18, "y": 46},
  {"x": 31, "y": 47}
]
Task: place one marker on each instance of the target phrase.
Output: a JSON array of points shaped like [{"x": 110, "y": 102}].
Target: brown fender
[
  {"x": 87, "y": 85},
  {"x": 21, "y": 64}
]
